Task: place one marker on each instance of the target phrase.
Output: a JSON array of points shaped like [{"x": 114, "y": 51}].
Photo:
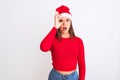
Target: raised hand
[{"x": 57, "y": 22}]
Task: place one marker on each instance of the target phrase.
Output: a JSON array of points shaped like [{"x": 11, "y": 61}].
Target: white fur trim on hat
[
  {"x": 56, "y": 12},
  {"x": 66, "y": 15}
]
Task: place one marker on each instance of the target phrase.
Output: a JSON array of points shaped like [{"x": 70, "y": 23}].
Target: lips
[{"x": 64, "y": 28}]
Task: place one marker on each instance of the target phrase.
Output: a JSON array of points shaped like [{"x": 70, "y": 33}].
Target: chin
[{"x": 64, "y": 32}]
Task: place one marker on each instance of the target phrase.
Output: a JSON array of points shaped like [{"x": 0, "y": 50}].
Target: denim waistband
[
  {"x": 55, "y": 75},
  {"x": 63, "y": 74}
]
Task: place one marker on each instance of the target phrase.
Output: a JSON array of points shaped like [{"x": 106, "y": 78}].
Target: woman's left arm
[{"x": 81, "y": 61}]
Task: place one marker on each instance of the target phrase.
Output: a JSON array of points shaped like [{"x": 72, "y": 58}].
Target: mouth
[{"x": 64, "y": 28}]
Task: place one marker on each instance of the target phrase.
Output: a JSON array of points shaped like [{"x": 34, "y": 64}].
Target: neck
[{"x": 65, "y": 35}]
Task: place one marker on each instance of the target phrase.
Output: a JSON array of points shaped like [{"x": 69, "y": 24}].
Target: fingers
[
  {"x": 57, "y": 17},
  {"x": 57, "y": 20}
]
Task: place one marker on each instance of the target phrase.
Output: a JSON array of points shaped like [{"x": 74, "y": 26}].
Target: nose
[{"x": 64, "y": 23}]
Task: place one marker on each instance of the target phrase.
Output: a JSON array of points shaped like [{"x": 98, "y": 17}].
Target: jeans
[{"x": 54, "y": 75}]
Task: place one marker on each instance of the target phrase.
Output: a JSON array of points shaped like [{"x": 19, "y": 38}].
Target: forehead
[{"x": 64, "y": 18}]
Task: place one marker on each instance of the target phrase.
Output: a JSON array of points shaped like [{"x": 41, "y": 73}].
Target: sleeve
[
  {"x": 46, "y": 43},
  {"x": 81, "y": 61}
]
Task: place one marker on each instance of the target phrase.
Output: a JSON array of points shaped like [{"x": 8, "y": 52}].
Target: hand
[{"x": 57, "y": 22}]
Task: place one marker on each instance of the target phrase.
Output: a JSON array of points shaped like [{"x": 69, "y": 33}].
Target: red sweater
[{"x": 66, "y": 53}]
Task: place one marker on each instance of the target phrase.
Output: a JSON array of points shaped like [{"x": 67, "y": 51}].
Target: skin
[{"x": 64, "y": 24}]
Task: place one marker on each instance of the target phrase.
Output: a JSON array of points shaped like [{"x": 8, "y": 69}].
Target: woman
[{"x": 66, "y": 49}]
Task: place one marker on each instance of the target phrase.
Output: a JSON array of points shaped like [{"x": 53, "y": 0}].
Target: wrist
[{"x": 56, "y": 27}]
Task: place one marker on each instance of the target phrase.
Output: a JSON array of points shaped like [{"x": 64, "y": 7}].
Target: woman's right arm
[{"x": 46, "y": 43}]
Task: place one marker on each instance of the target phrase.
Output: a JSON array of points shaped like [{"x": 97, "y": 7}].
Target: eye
[
  {"x": 60, "y": 20},
  {"x": 67, "y": 20}
]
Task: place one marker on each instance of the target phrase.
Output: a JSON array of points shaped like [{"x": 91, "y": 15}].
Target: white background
[{"x": 24, "y": 23}]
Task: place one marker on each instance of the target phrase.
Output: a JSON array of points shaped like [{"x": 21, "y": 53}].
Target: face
[{"x": 66, "y": 22}]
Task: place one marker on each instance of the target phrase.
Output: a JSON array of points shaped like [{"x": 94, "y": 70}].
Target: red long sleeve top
[{"x": 66, "y": 53}]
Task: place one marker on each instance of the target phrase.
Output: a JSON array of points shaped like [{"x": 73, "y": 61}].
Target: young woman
[{"x": 66, "y": 49}]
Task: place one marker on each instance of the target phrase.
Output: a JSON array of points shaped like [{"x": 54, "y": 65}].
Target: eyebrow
[{"x": 64, "y": 19}]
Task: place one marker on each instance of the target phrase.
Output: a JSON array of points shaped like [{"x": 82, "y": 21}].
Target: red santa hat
[{"x": 64, "y": 11}]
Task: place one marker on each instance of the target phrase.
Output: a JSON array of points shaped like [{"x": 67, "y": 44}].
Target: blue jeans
[{"x": 54, "y": 75}]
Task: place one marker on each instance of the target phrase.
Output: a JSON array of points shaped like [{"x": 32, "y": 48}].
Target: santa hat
[{"x": 64, "y": 11}]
